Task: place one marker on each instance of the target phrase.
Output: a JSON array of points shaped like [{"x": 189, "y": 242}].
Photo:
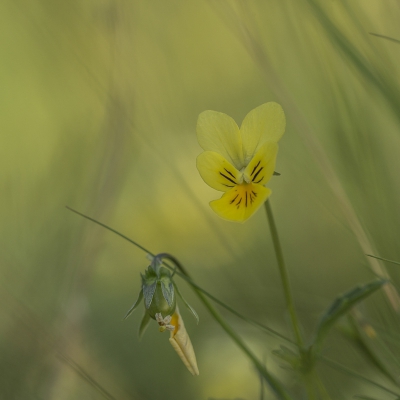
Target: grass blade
[
  {"x": 385, "y": 37},
  {"x": 383, "y": 259}
]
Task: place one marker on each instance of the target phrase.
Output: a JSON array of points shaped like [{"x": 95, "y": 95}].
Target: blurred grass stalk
[
  {"x": 106, "y": 175},
  {"x": 239, "y": 18},
  {"x": 243, "y": 25}
]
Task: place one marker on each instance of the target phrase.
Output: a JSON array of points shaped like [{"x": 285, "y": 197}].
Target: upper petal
[
  {"x": 217, "y": 172},
  {"x": 265, "y": 123},
  {"x": 219, "y": 132},
  {"x": 262, "y": 165}
]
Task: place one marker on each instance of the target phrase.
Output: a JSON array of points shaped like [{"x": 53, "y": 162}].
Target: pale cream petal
[
  {"x": 181, "y": 343},
  {"x": 217, "y": 172},
  {"x": 265, "y": 123},
  {"x": 262, "y": 165},
  {"x": 219, "y": 132},
  {"x": 241, "y": 202}
]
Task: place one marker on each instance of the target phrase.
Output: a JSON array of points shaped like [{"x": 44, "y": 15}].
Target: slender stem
[
  {"x": 110, "y": 229},
  {"x": 284, "y": 275},
  {"x": 288, "y": 296},
  {"x": 273, "y": 383}
]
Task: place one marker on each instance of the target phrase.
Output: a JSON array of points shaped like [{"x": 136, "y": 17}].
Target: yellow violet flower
[{"x": 241, "y": 161}]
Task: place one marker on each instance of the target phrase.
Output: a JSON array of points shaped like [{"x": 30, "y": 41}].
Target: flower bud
[
  {"x": 159, "y": 304},
  {"x": 158, "y": 291}
]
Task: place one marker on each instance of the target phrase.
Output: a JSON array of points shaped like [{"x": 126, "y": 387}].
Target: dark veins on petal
[
  {"x": 256, "y": 171},
  {"x": 228, "y": 178}
]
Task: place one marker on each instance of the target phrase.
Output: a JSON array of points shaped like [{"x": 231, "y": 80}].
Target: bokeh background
[{"x": 99, "y": 101}]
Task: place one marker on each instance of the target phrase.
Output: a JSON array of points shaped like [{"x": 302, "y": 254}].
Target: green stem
[
  {"x": 273, "y": 383},
  {"x": 284, "y": 275},
  {"x": 288, "y": 297}
]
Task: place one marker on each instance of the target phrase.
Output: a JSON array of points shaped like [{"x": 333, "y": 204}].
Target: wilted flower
[
  {"x": 241, "y": 161},
  {"x": 181, "y": 343}
]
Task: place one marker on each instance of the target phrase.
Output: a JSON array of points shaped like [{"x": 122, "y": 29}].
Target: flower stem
[
  {"x": 271, "y": 380},
  {"x": 308, "y": 377},
  {"x": 284, "y": 276}
]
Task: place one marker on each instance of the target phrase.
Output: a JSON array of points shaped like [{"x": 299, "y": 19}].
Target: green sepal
[
  {"x": 338, "y": 308},
  {"x": 189, "y": 307},
  {"x": 167, "y": 287},
  {"x": 156, "y": 265},
  {"x": 144, "y": 324},
  {"x": 137, "y": 302},
  {"x": 148, "y": 292},
  {"x": 149, "y": 284}
]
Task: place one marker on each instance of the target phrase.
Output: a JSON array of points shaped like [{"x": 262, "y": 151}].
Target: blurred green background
[{"x": 99, "y": 101}]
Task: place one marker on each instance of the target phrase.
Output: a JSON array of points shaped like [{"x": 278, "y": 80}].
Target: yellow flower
[{"x": 241, "y": 161}]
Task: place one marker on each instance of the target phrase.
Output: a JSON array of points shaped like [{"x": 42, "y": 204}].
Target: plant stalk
[{"x": 284, "y": 276}]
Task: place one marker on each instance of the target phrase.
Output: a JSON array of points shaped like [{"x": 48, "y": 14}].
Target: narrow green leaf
[
  {"x": 143, "y": 324},
  {"x": 341, "y": 306},
  {"x": 135, "y": 304},
  {"x": 383, "y": 259},
  {"x": 190, "y": 308}
]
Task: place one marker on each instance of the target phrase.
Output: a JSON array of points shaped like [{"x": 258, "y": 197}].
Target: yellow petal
[
  {"x": 219, "y": 132},
  {"x": 241, "y": 202},
  {"x": 181, "y": 343},
  {"x": 265, "y": 123},
  {"x": 217, "y": 172},
  {"x": 262, "y": 165}
]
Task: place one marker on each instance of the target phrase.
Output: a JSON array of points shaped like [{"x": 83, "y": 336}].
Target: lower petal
[{"x": 241, "y": 202}]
